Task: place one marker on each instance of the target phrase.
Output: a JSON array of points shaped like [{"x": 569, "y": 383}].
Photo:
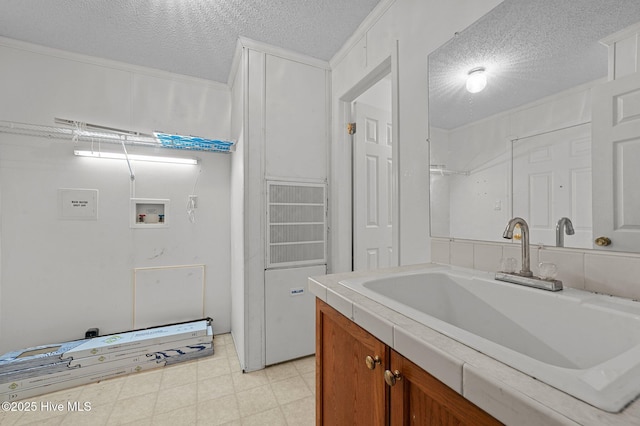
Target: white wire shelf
[{"x": 83, "y": 132}]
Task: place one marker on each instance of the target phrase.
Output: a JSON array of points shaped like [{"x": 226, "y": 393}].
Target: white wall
[
  {"x": 419, "y": 27},
  {"x": 482, "y": 151},
  {"x": 440, "y": 184},
  {"x": 238, "y": 117},
  {"x": 378, "y": 95},
  {"x": 61, "y": 277}
]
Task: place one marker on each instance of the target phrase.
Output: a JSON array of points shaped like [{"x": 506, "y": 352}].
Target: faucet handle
[
  {"x": 547, "y": 270},
  {"x": 508, "y": 265}
]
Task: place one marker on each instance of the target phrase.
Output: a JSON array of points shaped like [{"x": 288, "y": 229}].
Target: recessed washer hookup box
[{"x": 138, "y": 338}]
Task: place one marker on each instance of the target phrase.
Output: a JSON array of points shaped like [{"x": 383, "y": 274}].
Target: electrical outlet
[{"x": 193, "y": 201}]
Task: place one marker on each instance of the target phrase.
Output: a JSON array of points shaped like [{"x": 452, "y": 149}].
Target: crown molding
[
  {"x": 247, "y": 43},
  {"x": 237, "y": 57},
  {"x": 282, "y": 53},
  {"x": 373, "y": 17}
]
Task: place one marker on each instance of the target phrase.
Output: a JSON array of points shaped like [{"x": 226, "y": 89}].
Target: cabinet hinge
[{"x": 351, "y": 128}]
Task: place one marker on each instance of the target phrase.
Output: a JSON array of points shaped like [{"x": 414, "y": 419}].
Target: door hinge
[{"x": 351, "y": 128}]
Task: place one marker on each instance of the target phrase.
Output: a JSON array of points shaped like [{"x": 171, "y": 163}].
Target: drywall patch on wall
[{"x": 167, "y": 295}]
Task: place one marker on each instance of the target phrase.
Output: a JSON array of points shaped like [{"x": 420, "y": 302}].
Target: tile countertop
[{"x": 512, "y": 397}]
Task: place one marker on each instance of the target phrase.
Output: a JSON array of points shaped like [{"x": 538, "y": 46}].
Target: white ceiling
[
  {"x": 191, "y": 37},
  {"x": 530, "y": 49}
]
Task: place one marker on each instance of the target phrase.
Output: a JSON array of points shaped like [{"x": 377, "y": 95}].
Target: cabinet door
[
  {"x": 348, "y": 392},
  {"x": 295, "y": 119},
  {"x": 418, "y": 398}
]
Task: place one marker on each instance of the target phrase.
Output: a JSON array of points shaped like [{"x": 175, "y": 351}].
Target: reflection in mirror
[
  {"x": 552, "y": 174},
  {"x": 522, "y": 146}
]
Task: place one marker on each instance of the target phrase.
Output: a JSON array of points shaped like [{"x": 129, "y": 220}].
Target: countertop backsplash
[{"x": 609, "y": 273}]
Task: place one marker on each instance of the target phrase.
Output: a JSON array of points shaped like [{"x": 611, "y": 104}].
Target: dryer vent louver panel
[{"x": 296, "y": 224}]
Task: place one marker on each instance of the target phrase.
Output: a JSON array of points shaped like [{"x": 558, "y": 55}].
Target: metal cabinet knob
[
  {"x": 372, "y": 361},
  {"x": 392, "y": 377},
  {"x": 603, "y": 241}
]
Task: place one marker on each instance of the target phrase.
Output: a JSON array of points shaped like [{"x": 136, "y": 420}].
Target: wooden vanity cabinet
[
  {"x": 348, "y": 392},
  {"x": 418, "y": 398}
]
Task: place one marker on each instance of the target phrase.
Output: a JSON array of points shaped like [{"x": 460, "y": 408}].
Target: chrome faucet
[
  {"x": 525, "y": 276},
  {"x": 508, "y": 234},
  {"x": 564, "y": 224}
]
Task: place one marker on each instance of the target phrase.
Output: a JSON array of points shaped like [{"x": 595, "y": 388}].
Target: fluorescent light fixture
[
  {"x": 119, "y": 156},
  {"x": 476, "y": 80}
]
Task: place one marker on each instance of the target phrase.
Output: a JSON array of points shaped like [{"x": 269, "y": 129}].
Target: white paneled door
[
  {"x": 616, "y": 160},
  {"x": 373, "y": 197}
]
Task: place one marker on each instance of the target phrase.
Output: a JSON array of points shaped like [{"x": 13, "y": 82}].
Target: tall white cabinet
[{"x": 280, "y": 118}]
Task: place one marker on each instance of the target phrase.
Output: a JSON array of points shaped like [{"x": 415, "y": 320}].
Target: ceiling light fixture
[
  {"x": 118, "y": 156},
  {"x": 476, "y": 80}
]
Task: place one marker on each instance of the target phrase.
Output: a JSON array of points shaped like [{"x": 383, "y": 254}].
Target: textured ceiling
[
  {"x": 530, "y": 49},
  {"x": 190, "y": 37}
]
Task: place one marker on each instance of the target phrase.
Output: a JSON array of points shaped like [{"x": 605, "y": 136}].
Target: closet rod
[
  {"x": 72, "y": 134},
  {"x": 78, "y": 124},
  {"x": 84, "y": 132}
]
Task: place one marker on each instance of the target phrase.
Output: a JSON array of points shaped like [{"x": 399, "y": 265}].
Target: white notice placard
[{"x": 78, "y": 204}]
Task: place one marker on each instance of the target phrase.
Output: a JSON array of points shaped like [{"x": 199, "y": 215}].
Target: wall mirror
[{"x": 512, "y": 106}]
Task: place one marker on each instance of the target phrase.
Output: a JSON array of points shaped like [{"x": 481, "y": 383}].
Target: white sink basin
[{"x": 584, "y": 344}]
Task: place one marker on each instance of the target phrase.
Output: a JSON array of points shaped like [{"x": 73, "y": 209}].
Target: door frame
[{"x": 388, "y": 66}]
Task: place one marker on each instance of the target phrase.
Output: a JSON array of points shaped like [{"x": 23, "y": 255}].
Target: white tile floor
[{"x": 209, "y": 391}]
